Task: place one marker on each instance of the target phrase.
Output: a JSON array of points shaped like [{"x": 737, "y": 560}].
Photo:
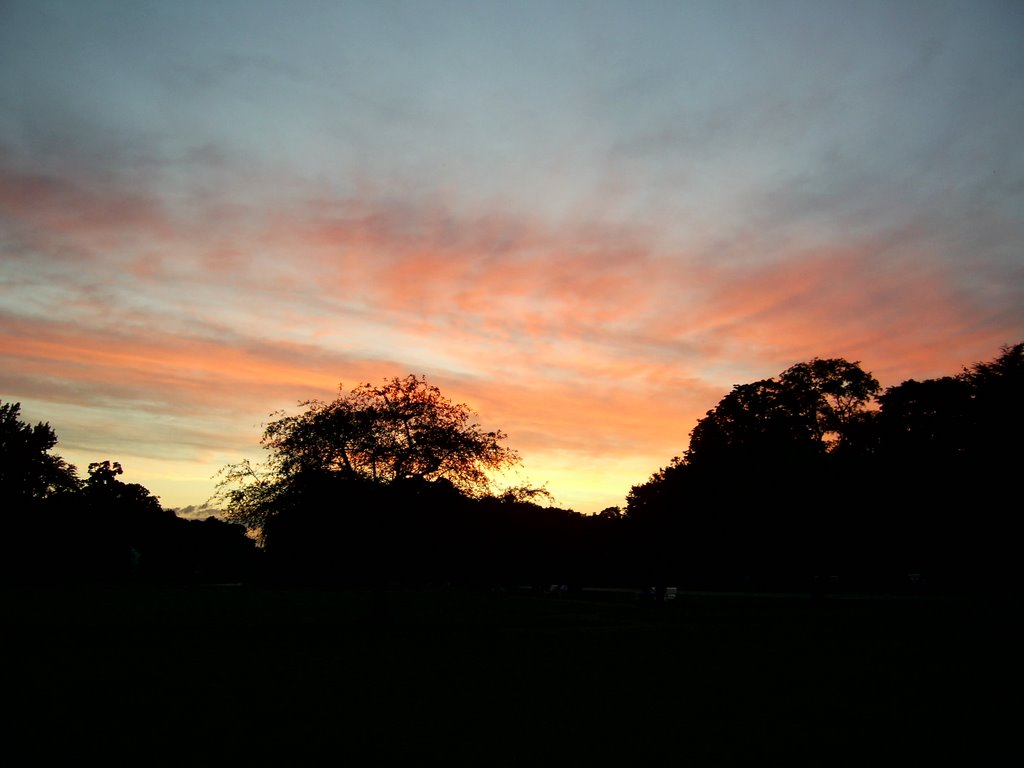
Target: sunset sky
[{"x": 586, "y": 220}]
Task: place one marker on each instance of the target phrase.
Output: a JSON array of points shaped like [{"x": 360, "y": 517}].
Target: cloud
[
  {"x": 587, "y": 340},
  {"x": 74, "y": 222},
  {"x": 198, "y": 512},
  {"x": 589, "y": 231}
]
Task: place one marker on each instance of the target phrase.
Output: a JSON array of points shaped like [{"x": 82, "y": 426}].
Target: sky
[{"x": 585, "y": 220}]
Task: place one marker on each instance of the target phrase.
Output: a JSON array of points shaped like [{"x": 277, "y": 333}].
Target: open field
[{"x": 153, "y": 675}]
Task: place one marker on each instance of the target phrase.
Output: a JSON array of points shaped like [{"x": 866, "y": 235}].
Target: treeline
[
  {"x": 60, "y": 528},
  {"x": 817, "y": 471},
  {"x": 816, "y": 479},
  {"x": 813, "y": 479}
]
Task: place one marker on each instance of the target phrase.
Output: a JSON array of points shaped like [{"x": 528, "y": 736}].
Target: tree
[
  {"x": 948, "y": 458},
  {"x": 832, "y": 394},
  {"x": 810, "y": 409},
  {"x": 1006, "y": 371},
  {"x": 997, "y": 412},
  {"x": 963, "y": 418},
  {"x": 757, "y": 482},
  {"x": 103, "y": 489},
  {"x": 402, "y": 431},
  {"x": 926, "y": 420},
  {"x": 752, "y": 422},
  {"x": 28, "y": 471}
]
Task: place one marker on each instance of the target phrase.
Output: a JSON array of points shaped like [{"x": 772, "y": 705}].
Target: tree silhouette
[
  {"x": 997, "y": 415},
  {"x": 757, "y": 488},
  {"x": 947, "y": 452},
  {"x": 810, "y": 409},
  {"x": 62, "y": 529},
  {"x": 800, "y": 473},
  {"x": 28, "y": 471},
  {"x": 403, "y": 431},
  {"x": 927, "y": 420}
]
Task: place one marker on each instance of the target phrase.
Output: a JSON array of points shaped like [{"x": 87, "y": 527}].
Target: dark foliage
[
  {"x": 28, "y": 471},
  {"x": 807, "y": 481},
  {"x": 810, "y": 476},
  {"x": 400, "y": 432},
  {"x": 62, "y": 529},
  {"x": 342, "y": 529}
]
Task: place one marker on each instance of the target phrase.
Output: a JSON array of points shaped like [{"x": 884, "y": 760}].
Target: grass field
[{"x": 229, "y": 675}]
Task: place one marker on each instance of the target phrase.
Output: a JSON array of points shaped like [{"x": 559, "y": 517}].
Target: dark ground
[{"x": 149, "y": 675}]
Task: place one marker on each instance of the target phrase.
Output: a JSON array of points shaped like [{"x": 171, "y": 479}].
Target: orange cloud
[
  {"x": 55, "y": 205},
  {"x": 595, "y": 347}
]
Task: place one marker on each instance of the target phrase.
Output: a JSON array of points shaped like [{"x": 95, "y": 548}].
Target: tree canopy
[
  {"x": 28, "y": 469},
  {"x": 809, "y": 409},
  {"x": 971, "y": 417},
  {"x": 759, "y": 471},
  {"x": 402, "y": 430},
  {"x": 391, "y": 483},
  {"x": 62, "y": 528},
  {"x": 814, "y": 469}
]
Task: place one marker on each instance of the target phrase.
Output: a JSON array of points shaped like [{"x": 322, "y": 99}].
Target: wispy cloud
[{"x": 588, "y": 229}]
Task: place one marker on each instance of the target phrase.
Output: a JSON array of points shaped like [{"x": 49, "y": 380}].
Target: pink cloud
[
  {"x": 587, "y": 343},
  {"x": 58, "y": 205}
]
